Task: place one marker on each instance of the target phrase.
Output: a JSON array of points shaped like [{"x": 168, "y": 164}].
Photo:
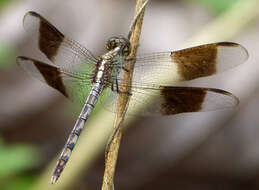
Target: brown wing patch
[
  {"x": 51, "y": 75},
  {"x": 181, "y": 99},
  {"x": 48, "y": 34},
  {"x": 196, "y": 62}
]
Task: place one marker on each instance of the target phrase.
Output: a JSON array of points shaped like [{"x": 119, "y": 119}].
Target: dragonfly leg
[{"x": 112, "y": 86}]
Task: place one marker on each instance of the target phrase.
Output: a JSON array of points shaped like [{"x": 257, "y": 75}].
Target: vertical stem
[{"x": 122, "y": 102}]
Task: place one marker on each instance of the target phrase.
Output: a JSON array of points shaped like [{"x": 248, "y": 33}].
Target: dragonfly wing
[
  {"x": 188, "y": 64},
  {"x": 169, "y": 100},
  {"x": 56, "y": 47},
  {"x": 74, "y": 86},
  {"x": 182, "y": 65}
]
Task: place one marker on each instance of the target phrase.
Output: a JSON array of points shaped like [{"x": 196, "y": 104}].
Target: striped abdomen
[{"x": 73, "y": 137}]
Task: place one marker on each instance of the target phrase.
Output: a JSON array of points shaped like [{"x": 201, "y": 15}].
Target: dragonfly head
[{"x": 121, "y": 42}]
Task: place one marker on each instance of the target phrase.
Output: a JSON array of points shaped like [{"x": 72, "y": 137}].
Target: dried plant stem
[{"x": 123, "y": 100}]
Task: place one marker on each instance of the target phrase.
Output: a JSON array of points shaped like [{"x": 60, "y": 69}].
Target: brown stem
[{"x": 122, "y": 102}]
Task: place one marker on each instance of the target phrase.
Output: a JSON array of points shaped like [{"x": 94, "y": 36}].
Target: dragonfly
[{"x": 80, "y": 76}]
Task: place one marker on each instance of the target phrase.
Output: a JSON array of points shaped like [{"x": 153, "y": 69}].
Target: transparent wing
[
  {"x": 187, "y": 64},
  {"x": 182, "y": 65},
  {"x": 169, "y": 100},
  {"x": 75, "y": 86},
  {"x": 60, "y": 50}
]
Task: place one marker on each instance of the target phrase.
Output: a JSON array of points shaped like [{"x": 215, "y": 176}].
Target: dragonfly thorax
[
  {"x": 121, "y": 42},
  {"x": 110, "y": 64}
]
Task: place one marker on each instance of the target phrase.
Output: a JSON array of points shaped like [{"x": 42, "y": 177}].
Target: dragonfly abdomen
[{"x": 74, "y": 135}]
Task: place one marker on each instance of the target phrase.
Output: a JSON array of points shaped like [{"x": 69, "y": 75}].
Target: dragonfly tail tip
[{"x": 54, "y": 179}]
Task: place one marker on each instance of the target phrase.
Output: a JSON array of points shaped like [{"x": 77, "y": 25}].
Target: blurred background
[{"x": 212, "y": 150}]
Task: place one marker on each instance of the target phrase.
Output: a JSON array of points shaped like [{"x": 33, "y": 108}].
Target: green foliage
[
  {"x": 4, "y": 2},
  {"x": 15, "y": 160},
  {"x": 18, "y": 183},
  {"x": 217, "y": 6},
  {"x": 6, "y": 53}
]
